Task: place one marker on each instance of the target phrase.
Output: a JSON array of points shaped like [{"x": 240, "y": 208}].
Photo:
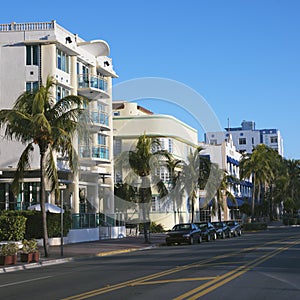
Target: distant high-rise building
[{"x": 246, "y": 137}]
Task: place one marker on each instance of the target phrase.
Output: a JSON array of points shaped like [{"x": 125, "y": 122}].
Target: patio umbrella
[{"x": 48, "y": 206}]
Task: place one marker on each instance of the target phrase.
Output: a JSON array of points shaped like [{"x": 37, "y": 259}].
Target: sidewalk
[{"x": 85, "y": 250}]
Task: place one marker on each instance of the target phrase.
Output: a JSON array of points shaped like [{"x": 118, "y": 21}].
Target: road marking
[
  {"x": 173, "y": 280},
  {"x": 229, "y": 276},
  {"x": 232, "y": 274},
  {"x": 24, "y": 281}
]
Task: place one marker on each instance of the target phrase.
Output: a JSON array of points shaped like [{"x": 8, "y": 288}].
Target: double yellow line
[
  {"x": 227, "y": 277},
  {"x": 202, "y": 289}
]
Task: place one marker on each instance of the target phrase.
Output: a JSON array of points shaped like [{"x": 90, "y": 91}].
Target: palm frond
[
  {"x": 23, "y": 165},
  {"x": 51, "y": 172}
]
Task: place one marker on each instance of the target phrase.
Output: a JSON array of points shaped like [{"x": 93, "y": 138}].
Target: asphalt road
[{"x": 261, "y": 265}]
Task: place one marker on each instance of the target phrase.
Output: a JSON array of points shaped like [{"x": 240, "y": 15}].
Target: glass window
[
  {"x": 273, "y": 139},
  {"x": 101, "y": 139},
  {"x": 32, "y": 86},
  {"x": 62, "y": 61},
  {"x": 32, "y": 56},
  {"x": 61, "y": 92},
  {"x": 242, "y": 141}
]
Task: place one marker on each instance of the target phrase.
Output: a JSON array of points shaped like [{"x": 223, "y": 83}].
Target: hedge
[
  {"x": 12, "y": 228},
  {"x": 255, "y": 226},
  {"x": 34, "y": 225}
]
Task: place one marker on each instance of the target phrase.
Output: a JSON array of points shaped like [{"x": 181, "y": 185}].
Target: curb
[{"x": 58, "y": 261}]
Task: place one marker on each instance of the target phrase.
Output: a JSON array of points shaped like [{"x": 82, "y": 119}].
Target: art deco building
[{"x": 29, "y": 52}]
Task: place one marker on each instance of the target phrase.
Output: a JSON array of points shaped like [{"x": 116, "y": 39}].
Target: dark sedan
[
  {"x": 184, "y": 233},
  {"x": 222, "y": 229},
  {"x": 208, "y": 231},
  {"x": 235, "y": 227}
]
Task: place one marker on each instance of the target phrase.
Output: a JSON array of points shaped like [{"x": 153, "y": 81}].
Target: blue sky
[{"x": 242, "y": 56}]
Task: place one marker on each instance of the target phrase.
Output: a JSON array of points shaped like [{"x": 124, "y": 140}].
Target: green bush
[
  {"x": 290, "y": 221},
  {"x": 154, "y": 228},
  {"x": 34, "y": 223},
  {"x": 254, "y": 226},
  {"x": 13, "y": 228}
]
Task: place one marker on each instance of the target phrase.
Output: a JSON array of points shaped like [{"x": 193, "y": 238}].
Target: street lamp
[{"x": 62, "y": 187}]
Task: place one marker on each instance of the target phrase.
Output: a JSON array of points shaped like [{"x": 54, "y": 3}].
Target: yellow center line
[
  {"x": 141, "y": 280},
  {"x": 173, "y": 280},
  {"x": 229, "y": 276}
]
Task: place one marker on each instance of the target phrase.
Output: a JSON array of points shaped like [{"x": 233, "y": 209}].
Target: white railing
[{"x": 32, "y": 26}]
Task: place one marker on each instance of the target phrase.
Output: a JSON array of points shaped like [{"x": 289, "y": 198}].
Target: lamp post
[
  {"x": 61, "y": 223},
  {"x": 62, "y": 187}
]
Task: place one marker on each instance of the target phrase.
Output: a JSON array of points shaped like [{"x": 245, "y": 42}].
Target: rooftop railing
[{"x": 32, "y": 26}]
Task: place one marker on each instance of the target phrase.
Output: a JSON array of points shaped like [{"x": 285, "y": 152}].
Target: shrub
[
  {"x": 154, "y": 228},
  {"x": 29, "y": 246},
  {"x": 9, "y": 249},
  {"x": 254, "y": 226},
  {"x": 34, "y": 224},
  {"x": 13, "y": 228}
]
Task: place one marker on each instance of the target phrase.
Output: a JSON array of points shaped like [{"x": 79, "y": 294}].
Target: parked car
[
  {"x": 184, "y": 233},
  {"x": 235, "y": 227},
  {"x": 208, "y": 231},
  {"x": 222, "y": 229}
]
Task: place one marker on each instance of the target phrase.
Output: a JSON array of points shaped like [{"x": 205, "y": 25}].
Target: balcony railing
[
  {"x": 92, "y": 81},
  {"x": 97, "y": 152},
  {"x": 32, "y": 26},
  {"x": 99, "y": 118}
]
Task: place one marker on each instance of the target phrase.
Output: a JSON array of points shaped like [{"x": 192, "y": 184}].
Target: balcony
[
  {"x": 89, "y": 154},
  {"x": 92, "y": 86},
  {"x": 99, "y": 120}
]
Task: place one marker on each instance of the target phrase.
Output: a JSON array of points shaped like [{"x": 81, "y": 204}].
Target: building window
[
  {"x": 242, "y": 141},
  {"x": 273, "y": 139},
  {"x": 62, "y": 61},
  {"x": 170, "y": 145},
  {"x": 153, "y": 204},
  {"x": 61, "y": 92},
  {"x": 32, "y": 55},
  {"x": 213, "y": 142},
  {"x": 116, "y": 113},
  {"x": 32, "y": 86},
  {"x": 117, "y": 147},
  {"x": 101, "y": 139},
  {"x": 253, "y": 141}
]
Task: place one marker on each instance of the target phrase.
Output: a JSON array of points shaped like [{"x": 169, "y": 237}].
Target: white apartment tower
[
  {"x": 29, "y": 52},
  {"x": 246, "y": 137}
]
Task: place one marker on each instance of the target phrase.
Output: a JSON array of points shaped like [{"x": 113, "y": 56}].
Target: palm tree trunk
[
  {"x": 144, "y": 201},
  {"x": 43, "y": 210},
  {"x": 253, "y": 197}
]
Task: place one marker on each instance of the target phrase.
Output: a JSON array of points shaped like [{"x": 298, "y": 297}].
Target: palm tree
[
  {"x": 258, "y": 165},
  {"x": 38, "y": 119},
  {"x": 141, "y": 164},
  {"x": 222, "y": 191},
  {"x": 192, "y": 177},
  {"x": 174, "y": 187},
  {"x": 293, "y": 182}
]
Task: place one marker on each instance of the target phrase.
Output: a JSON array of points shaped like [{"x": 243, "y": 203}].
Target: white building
[
  {"x": 29, "y": 52},
  {"x": 130, "y": 122},
  {"x": 246, "y": 137},
  {"x": 227, "y": 158}
]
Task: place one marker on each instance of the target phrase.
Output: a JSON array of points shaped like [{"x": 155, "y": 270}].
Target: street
[{"x": 257, "y": 265}]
